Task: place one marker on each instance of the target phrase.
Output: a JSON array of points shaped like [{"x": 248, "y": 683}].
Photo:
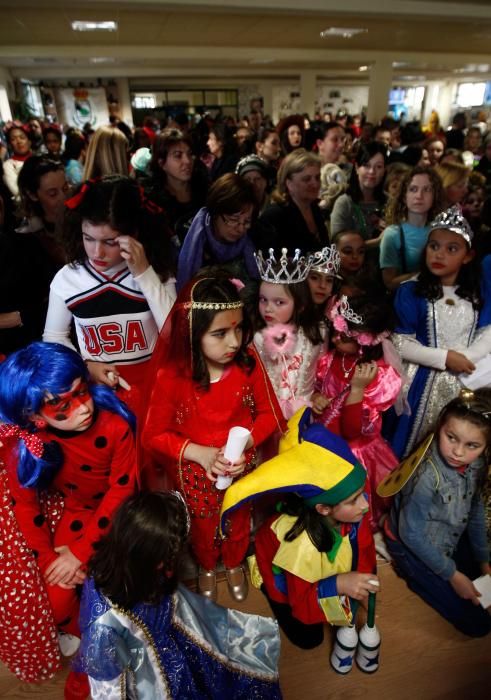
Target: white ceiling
[{"x": 236, "y": 41}]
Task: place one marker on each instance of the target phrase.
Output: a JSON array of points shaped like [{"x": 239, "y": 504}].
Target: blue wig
[{"x": 25, "y": 378}]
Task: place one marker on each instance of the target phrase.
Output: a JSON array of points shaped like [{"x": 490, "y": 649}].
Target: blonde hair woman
[
  {"x": 294, "y": 219},
  {"x": 107, "y": 153},
  {"x": 455, "y": 180}
]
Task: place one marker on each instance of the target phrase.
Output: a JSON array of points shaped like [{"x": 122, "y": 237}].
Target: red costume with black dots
[{"x": 98, "y": 473}]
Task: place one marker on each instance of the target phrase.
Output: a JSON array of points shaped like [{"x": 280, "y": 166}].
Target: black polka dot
[
  {"x": 71, "y": 487},
  {"x": 98, "y": 496},
  {"x": 39, "y": 520},
  {"x": 100, "y": 441},
  {"x": 103, "y": 522},
  {"x": 123, "y": 479},
  {"x": 76, "y": 525},
  {"x": 35, "y": 553},
  {"x": 86, "y": 468},
  {"x": 88, "y": 508},
  {"x": 13, "y": 502}
]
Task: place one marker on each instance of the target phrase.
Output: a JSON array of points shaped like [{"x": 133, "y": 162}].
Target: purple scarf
[{"x": 200, "y": 234}]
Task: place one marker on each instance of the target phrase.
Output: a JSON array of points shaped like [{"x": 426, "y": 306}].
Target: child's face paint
[
  {"x": 352, "y": 509},
  {"x": 72, "y": 410}
]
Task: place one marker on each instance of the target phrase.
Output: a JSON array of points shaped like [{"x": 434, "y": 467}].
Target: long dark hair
[
  {"x": 468, "y": 282},
  {"x": 364, "y": 154},
  {"x": 136, "y": 562},
  {"x": 29, "y": 181},
  {"x": 221, "y": 291},
  {"x": 308, "y": 520},
  {"x": 118, "y": 201}
]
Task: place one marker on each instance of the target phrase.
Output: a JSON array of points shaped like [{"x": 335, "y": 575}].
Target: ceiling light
[
  {"x": 83, "y": 26},
  {"x": 101, "y": 59},
  {"x": 344, "y": 32},
  {"x": 362, "y": 69}
]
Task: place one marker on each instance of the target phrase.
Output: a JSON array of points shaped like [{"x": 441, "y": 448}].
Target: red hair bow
[{"x": 33, "y": 442}]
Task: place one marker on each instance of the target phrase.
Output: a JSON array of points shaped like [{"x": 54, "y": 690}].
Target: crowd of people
[{"x": 325, "y": 285}]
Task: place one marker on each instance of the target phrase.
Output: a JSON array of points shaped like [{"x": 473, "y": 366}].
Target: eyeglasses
[{"x": 236, "y": 221}]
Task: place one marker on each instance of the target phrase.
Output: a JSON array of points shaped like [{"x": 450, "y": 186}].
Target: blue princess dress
[
  {"x": 425, "y": 332},
  {"x": 185, "y": 648}
]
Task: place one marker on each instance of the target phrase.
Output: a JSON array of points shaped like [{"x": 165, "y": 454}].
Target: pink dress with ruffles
[{"x": 361, "y": 424}]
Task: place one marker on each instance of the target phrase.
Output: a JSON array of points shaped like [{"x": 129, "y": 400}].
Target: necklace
[{"x": 346, "y": 372}]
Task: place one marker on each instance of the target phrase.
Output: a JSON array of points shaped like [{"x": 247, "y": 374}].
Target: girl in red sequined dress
[{"x": 208, "y": 381}]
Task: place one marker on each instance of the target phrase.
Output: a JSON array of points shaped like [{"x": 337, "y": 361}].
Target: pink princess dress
[{"x": 360, "y": 424}]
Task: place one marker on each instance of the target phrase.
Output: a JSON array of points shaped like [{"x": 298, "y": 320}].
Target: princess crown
[
  {"x": 342, "y": 310},
  {"x": 285, "y": 270},
  {"x": 326, "y": 260},
  {"x": 453, "y": 220}
]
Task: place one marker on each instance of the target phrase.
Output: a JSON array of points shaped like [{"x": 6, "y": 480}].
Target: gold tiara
[{"x": 213, "y": 305}]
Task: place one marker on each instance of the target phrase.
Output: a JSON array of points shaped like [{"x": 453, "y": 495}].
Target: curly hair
[
  {"x": 137, "y": 561},
  {"x": 397, "y": 212}
]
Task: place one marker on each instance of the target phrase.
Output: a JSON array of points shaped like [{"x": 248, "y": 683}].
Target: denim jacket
[{"x": 435, "y": 507}]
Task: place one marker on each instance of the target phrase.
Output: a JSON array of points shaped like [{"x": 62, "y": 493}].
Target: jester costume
[{"x": 316, "y": 465}]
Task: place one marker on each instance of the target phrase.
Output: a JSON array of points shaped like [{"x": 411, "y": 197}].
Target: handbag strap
[{"x": 403, "y": 250}]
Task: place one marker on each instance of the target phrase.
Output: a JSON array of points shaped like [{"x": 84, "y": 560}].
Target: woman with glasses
[
  {"x": 294, "y": 220},
  {"x": 218, "y": 236}
]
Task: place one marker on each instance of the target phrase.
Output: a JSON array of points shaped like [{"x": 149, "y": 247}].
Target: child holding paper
[
  {"x": 208, "y": 381},
  {"x": 436, "y": 531}
]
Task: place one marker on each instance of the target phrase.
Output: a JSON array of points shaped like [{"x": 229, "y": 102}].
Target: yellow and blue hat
[{"x": 313, "y": 463}]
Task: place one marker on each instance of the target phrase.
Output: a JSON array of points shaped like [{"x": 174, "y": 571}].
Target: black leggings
[{"x": 302, "y": 635}]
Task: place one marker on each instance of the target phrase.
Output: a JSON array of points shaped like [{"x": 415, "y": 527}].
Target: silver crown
[
  {"x": 326, "y": 260},
  {"x": 344, "y": 309},
  {"x": 453, "y": 220},
  {"x": 285, "y": 270}
]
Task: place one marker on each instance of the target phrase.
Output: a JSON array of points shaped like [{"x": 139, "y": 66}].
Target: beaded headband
[
  {"x": 326, "y": 260},
  {"x": 285, "y": 270},
  {"x": 213, "y": 305}
]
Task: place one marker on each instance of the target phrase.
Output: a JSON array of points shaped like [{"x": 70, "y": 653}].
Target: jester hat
[{"x": 312, "y": 462}]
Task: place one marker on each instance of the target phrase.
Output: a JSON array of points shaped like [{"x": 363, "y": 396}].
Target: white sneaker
[{"x": 68, "y": 643}]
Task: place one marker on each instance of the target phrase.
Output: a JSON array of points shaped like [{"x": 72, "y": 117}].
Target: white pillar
[
  {"x": 379, "y": 88},
  {"x": 307, "y": 92},
  {"x": 432, "y": 100},
  {"x": 124, "y": 100},
  {"x": 5, "y": 84},
  {"x": 444, "y": 107},
  {"x": 266, "y": 92}
]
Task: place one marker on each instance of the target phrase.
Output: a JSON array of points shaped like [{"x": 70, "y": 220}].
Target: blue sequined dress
[{"x": 186, "y": 647}]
